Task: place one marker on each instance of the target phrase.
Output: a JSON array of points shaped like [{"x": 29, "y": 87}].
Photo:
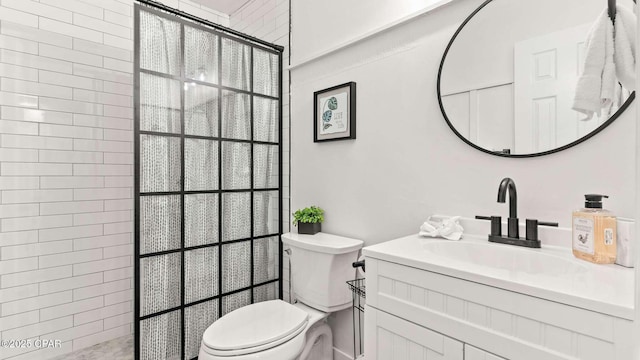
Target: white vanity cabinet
[
  {"x": 393, "y": 338},
  {"x": 414, "y": 313}
]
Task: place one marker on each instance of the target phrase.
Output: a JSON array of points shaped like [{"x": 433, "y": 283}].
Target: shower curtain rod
[{"x": 209, "y": 23}]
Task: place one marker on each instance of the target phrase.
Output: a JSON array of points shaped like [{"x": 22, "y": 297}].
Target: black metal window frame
[{"x": 221, "y": 32}]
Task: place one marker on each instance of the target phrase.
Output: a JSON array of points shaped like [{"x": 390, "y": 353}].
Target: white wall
[
  {"x": 330, "y": 23},
  {"x": 406, "y": 163},
  {"x": 66, "y": 178}
]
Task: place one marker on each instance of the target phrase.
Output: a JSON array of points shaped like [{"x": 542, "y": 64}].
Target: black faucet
[
  {"x": 507, "y": 184},
  {"x": 513, "y": 235}
]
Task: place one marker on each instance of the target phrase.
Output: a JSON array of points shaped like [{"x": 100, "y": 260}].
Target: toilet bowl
[
  {"x": 270, "y": 330},
  {"x": 277, "y": 330}
]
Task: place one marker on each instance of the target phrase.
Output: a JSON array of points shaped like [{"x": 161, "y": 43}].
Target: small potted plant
[{"x": 308, "y": 220}]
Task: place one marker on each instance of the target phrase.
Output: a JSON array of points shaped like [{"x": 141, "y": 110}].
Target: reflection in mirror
[{"x": 508, "y": 79}]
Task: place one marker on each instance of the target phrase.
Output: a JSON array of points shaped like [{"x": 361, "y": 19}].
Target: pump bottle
[{"x": 594, "y": 232}]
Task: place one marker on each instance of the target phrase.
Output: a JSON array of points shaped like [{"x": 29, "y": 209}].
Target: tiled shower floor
[{"x": 116, "y": 349}]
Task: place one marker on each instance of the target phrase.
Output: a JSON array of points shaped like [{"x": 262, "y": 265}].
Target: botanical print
[{"x": 334, "y": 114}]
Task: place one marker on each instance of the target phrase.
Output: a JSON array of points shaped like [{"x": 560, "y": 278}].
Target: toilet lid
[{"x": 255, "y": 325}]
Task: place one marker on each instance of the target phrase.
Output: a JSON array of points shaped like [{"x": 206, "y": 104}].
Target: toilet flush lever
[{"x": 358, "y": 264}]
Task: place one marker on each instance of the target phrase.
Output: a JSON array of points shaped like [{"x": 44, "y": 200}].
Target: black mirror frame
[{"x": 501, "y": 154}]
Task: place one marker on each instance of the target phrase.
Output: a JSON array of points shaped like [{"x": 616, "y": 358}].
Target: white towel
[
  {"x": 625, "y": 47},
  {"x": 596, "y": 85},
  {"x": 448, "y": 228}
]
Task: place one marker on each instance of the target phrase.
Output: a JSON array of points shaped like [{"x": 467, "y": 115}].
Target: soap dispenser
[{"x": 594, "y": 232}]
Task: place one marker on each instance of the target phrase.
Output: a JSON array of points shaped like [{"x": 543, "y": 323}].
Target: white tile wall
[
  {"x": 269, "y": 20},
  {"x": 66, "y": 170}
]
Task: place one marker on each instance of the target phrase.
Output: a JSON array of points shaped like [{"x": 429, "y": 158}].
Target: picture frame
[{"x": 334, "y": 113}]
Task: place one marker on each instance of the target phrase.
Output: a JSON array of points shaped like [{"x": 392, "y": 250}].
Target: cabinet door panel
[
  {"x": 472, "y": 353},
  {"x": 390, "y": 338}
]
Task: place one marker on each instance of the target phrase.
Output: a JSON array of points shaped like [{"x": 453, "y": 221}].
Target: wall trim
[{"x": 369, "y": 34}]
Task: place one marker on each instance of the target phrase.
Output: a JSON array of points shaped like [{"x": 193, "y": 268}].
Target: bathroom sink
[{"x": 505, "y": 257}]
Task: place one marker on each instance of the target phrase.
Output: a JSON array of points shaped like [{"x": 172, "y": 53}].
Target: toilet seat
[{"x": 255, "y": 328}]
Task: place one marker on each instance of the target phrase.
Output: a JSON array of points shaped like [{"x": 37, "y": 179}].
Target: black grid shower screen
[{"x": 207, "y": 179}]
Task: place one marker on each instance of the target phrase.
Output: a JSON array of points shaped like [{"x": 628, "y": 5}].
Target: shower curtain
[{"x": 207, "y": 174}]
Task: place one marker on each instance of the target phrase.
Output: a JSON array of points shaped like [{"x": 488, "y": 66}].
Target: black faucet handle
[
  {"x": 532, "y": 229},
  {"x": 496, "y": 224}
]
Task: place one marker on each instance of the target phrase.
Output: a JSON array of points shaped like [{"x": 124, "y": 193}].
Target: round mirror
[{"x": 508, "y": 79}]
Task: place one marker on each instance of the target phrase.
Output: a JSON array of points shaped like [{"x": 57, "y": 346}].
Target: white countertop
[{"x": 551, "y": 273}]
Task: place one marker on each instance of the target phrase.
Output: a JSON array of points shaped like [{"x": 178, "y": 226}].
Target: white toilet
[{"x": 277, "y": 330}]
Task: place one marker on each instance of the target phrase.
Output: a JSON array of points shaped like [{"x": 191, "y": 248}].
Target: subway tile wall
[
  {"x": 269, "y": 20},
  {"x": 66, "y": 163}
]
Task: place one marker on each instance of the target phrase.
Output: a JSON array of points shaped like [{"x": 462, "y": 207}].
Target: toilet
[{"x": 277, "y": 330}]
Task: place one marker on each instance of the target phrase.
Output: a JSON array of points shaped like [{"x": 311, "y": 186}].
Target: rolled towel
[{"x": 448, "y": 229}]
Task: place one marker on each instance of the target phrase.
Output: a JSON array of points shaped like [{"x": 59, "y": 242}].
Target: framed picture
[{"x": 334, "y": 113}]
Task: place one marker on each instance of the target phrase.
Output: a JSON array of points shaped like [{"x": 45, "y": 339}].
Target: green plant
[{"x": 310, "y": 215}]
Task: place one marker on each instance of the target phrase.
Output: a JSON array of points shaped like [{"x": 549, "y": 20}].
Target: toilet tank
[{"x": 320, "y": 266}]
